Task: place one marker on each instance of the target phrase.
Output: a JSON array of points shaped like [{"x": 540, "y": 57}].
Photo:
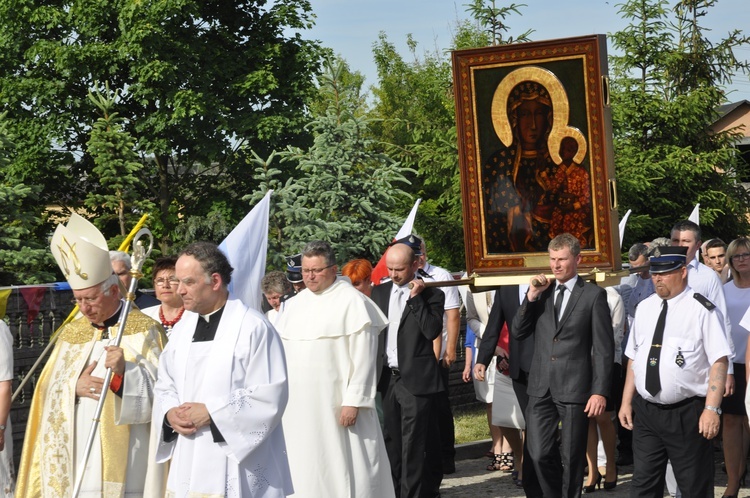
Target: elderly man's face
[
  {"x": 122, "y": 273},
  {"x": 317, "y": 274},
  {"x": 95, "y": 305}
]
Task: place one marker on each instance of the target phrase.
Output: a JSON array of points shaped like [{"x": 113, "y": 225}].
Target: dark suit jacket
[
  {"x": 504, "y": 308},
  {"x": 574, "y": 359},
  {"x": 421, "y": 323}
]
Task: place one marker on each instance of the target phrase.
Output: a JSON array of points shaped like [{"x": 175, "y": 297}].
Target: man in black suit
[
  {"x": 411, "y": 371},
  {"x": 504, "y": 307},
  {"x": 571, "y": 370}
]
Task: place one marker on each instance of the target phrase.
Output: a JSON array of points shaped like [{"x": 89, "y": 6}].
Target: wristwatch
[{"x": 714, "y": 409}]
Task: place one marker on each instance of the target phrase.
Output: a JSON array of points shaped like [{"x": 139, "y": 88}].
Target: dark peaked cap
[
  {"x": 412, "y": 241},
  {"x": 666, "y": 259}
]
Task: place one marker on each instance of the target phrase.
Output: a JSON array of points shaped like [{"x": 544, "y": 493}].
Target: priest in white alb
[
  {"x": 222, "y": 390},
  {"x": 70, "y": 385},
  {"x": 330, "y": 335}
]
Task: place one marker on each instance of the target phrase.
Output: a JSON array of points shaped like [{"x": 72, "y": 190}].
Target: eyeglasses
[
  {"x": 85, "y": 300},
  {"x": 314, "y": 271},
  {"x": 164, "y": 282},
  {"x": 741, "y": 257}
]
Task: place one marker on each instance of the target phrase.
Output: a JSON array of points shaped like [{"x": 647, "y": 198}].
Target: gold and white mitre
[{"x": 81, "y": 253}]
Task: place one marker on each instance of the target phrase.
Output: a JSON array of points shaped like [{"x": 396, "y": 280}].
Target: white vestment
[
  {"x": 241, "y": 378},
  {"x": 331, "y": 343},
  {"x": 119, "y": 464}
]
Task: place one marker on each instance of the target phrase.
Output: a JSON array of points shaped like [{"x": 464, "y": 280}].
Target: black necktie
[
  {"x": 653, "y": 384},
  {"x": 558, "y": 303}
]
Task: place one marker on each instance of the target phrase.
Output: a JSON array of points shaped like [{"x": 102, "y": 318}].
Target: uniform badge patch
[{"x": 679, "y": 360}]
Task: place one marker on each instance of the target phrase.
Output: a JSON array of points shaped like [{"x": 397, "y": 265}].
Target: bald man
[{"x": 411, "y": 371}]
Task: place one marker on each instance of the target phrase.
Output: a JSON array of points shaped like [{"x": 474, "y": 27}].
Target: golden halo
[
  {"x": 560, "y": 109},
  {"x": 575, "y": 134}
]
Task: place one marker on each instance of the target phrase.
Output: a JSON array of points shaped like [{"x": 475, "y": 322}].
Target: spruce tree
[
  {"x": 118, "y": 195},
  {"x": 22, "y": 259},
  {"x": 665, "y": 90},
  {"x": 345, "y": 190}
]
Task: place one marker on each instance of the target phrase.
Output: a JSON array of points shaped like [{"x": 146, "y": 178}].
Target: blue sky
[{"x": 350, "y": 27}]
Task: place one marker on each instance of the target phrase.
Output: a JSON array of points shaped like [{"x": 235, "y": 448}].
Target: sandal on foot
[
  {"x": 506, "y": 462},
  {"x": 496, "y": 463}
]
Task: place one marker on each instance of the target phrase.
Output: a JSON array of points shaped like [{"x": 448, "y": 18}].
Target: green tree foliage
[
  {"x": 492, "y": 19},
  {"x": 197, "y": 81},
  {"x": 22, "y": 260},
  {"x": 416, "y": 123},
  {"x": 665, "y": 90},
  {"x": 344, "y": 191},
  {"x": 117, "y": 192}
]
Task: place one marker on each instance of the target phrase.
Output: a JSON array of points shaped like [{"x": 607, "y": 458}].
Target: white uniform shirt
[
  {"x": 706, "y": 281},
  {"x": 690, "y": 330},
  {"x": 452, "y": 300}
]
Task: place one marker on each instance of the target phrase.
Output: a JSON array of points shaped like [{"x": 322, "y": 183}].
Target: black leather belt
[{"x": 679, "y": 404}]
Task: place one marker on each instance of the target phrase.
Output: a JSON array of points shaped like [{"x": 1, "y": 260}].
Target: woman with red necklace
[{"x": 165, "y": 285}]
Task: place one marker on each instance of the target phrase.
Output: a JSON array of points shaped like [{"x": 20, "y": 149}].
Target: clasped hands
[{"x": 187, "y": 418}]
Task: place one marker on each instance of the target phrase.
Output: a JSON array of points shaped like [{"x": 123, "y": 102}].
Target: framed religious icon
[{"x": 535, "y": 151}]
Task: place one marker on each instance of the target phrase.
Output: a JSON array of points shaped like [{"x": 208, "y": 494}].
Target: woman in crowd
[
  {"x": 359, "y": 271},
  {"x": 169, "y": 312},
  {"x": 736, "y": 436},
  {"x": 275, "y": 288}
]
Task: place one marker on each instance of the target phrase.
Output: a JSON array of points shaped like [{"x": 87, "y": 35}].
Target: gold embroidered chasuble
[{"x": 48, "y": 467}]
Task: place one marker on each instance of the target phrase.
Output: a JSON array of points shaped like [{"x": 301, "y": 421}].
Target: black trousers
[
  {"x": 670, "y": 432},
  {"x": 559, "y": 468},
  {"x": 530, "y": 481},
  {"x": 411, "y": 440},
  {"x": 446, "y": 427}
]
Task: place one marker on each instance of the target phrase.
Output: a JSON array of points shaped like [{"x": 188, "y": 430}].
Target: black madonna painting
[{"x": 535, "y": 153}]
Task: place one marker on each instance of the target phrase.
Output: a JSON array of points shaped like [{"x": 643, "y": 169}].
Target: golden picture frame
[{"x": 535, "y": 152}]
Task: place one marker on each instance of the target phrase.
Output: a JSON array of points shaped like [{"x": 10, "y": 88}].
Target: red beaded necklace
[{"x": 168, "y": 324}]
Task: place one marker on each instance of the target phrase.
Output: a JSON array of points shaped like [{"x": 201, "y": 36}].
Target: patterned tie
[
  {"x": 558, "y": 303},
  {"x": 653, "y": 383}
]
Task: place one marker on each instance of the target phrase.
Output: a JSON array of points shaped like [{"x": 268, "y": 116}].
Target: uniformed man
[
  {"x": 678, "y": 356},
  {"x": 294, "y": 272}
]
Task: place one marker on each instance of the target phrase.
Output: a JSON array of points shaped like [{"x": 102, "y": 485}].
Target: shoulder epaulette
[{"x": 704, "y": 301}]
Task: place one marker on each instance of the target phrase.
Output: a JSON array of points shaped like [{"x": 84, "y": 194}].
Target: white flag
[
  {"x": 695, "y": 215},
  {"x": 246, "y": 248},
  {"x": 623, "y": 222},
  {"x": 380, "y": 271},
  {"x": 408, "y": 225}
]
